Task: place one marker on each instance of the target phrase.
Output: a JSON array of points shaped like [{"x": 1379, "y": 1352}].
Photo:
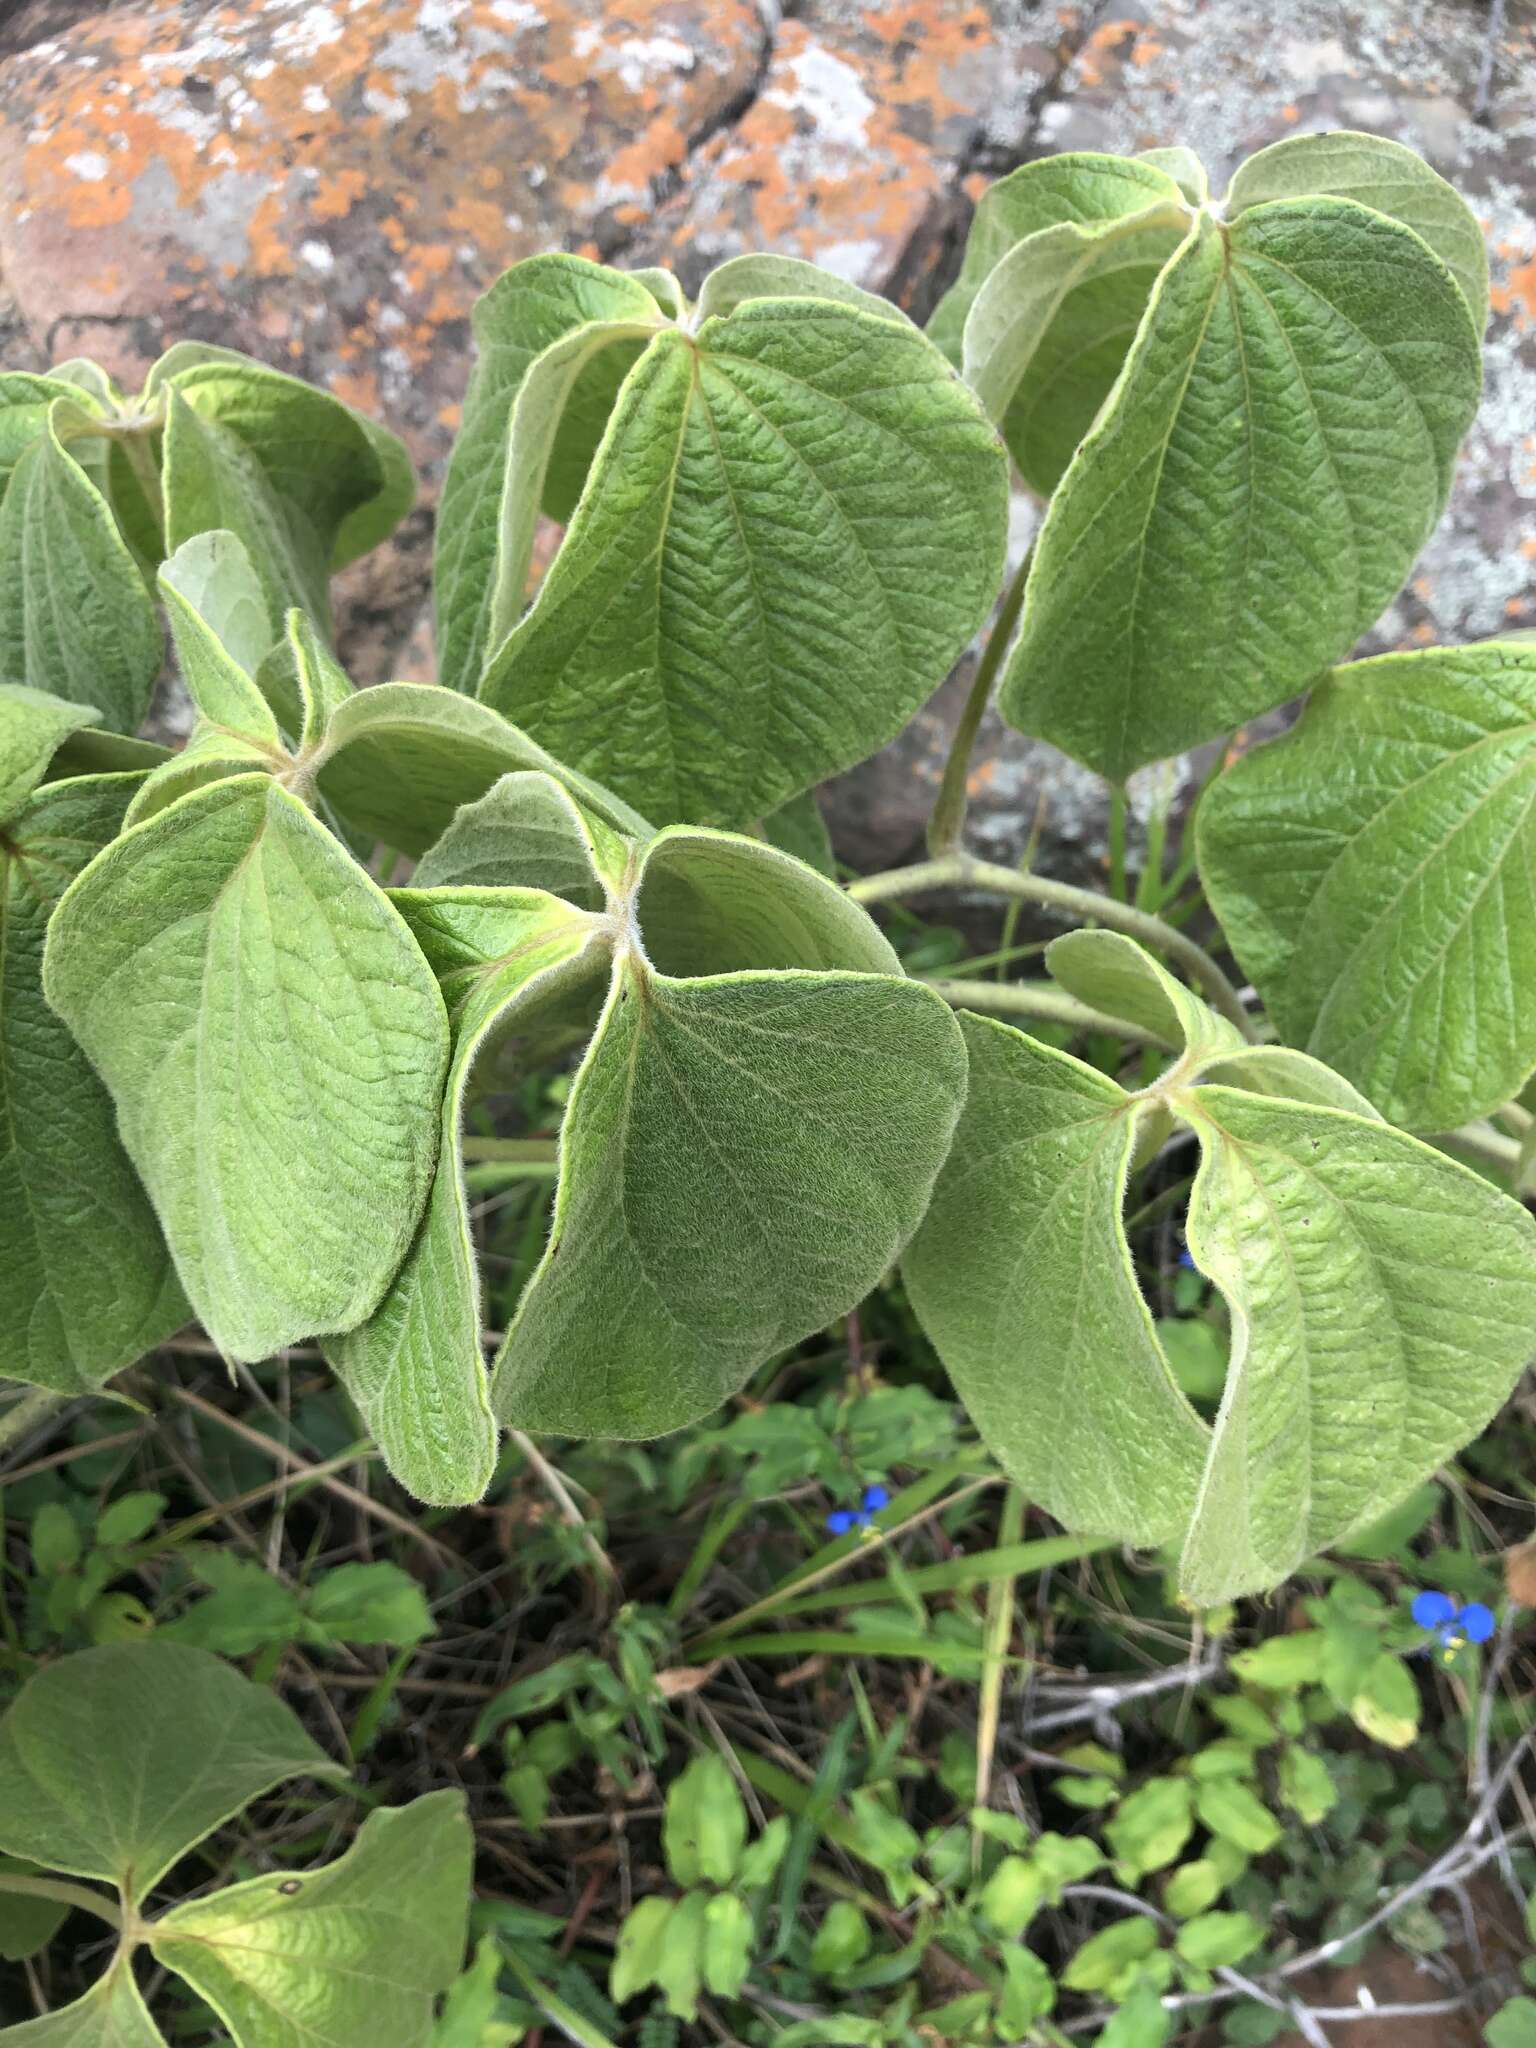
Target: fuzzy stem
[
  {"x": 948, "y": 820},
  {"x": 26, "y": 1413},
  {"x": 1035, "y": 999},
  {"x": 960, "y": 871}
]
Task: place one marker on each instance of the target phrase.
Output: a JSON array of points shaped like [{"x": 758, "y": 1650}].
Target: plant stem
[
  {"x": 948, "y": 820},
  {"x": 961, "y": 871},
  {"x": 1036, "y": 999},
  {"x": 26, "y": 1413},
  {"x": 1484, "y": 1143},
  {"x": 55, "y": 1888},
  {"x": 1117, "y": 808}
]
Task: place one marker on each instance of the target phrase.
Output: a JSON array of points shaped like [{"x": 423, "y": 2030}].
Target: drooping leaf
[
  {"x": 415, "y": 1368},
  {"x": 797, "y": 520},
  {"x": 353, "y": 1952},
  {"x": 33, "y": 725},
  {"x": 219, "y": 623},
  {"x": 75, "y": 618},
  {"x": 112, "y": 2014},
  {"x": 1078, "y": 188},
  {"x": 400, "y": 759},
  {"x": 1383, "y": 175},
  {"x": 742, "y": 1157},
  {"x": 114, "y": 1762},
  {"x": 758, "y": 276},
  {"x": 1372, "y": 871},
  {"x": 1278, "y": 446},
  {"x": 27, "y": 1923},
  {"x": 1362, "y": 1357},
  {"x": 86, "y": 1285},
  {"x": 275, "y": 1045},
  {"x": 536, "y": 304},
  {"x": 1022, "y": 1277},
  {"x": 25, "y": 400}
]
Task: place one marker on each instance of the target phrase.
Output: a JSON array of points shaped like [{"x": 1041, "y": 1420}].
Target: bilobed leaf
[
  {"x": 33, "y": 725},
  {"x": 116, "y": 1761},
  {"x": 534, "y": 305},
  {"x": 1275, "y": 452},
  {"x": 112, "y": 2014},
  {"x": 353, "y": 1952},
  {"x": 75, "y": 618},
  {"x": 1079, "y": 187},
  {"x": 275, "y": 1044},
  {"x": 742, "y": 1157},
  {"x": 400, "y": 759},
  {"x": 86, "y": 1285},
  {"x": 1049, "y": 330},
  {"x": 1022, "y": 1278},
  {"x": 796, "y": 520},
  {"x": 415, "y": 1368},
  {"x": 1364, "y": 1353},
  {"x": 1384, "y": 175},
  {"x": 1372, "y": 871}
]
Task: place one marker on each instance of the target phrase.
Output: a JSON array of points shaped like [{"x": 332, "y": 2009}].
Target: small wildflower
[
  {"x": 1452, "y": 1624},
  {"x": 843, "y": 1521},
  {"x": 1187, "y": 1259}
]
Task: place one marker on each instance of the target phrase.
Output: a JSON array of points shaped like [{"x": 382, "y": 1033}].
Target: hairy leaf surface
[
  {"x": 112, "y": 2014},
  {"x": 527, "y": 832},
  {"x": 536, "y": 304},
  {"x": 1022, "y": 1277},
  {"x": 33, "y": 726},
  {"x": 86, "y": 1285},
  {"x": 796, "y": 520},
  {"x": 115, "y": 1762},
  {"x": 1277, "y": 448},
  {"x": 275, "y": 1045},
  {"x": 415, "y": 1368},
  {"x": 1373, "y": 872},
  {"x": 400, "y": 759},
  {"x": 1383, "y": 1300},
  {"x": 353, "y": 1952},
  {"x": 741, "y": 1158},
  {"x": 75, "y": 617}
]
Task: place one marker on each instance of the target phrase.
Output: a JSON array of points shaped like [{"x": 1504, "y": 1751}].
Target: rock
[{"x": 329, "y": 184}]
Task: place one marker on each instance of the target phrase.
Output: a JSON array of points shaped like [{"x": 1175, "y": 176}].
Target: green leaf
[
  {"x": 1078, "y": 188},
  {"x": 128, "y": 1518},
  {"x": 1029, "y": 1991},
  {"x": 1306, "y": 1784},
  {"x": 1108, "y": 1959},
  {"x": 219, "y": 623},
  {"x": 728, "y": 1937},
  {"x": 705, "y": 1829},
  {"x": 116, "y": 1761},
  {"x": 469, "y": 2010},
  {"x": 743, "y": 279},
  {"x": 400, "y": 759},
  {"x": 1022, "y": 1278},
  {"x": 247, "y": 1610},
  {"x": 1371, "y": 871},
  {"x": 1214, "y": 1941},
  {"x": 415, "y": 1368},
  {"x": 27, "y": 1924},
  {"x": 1049, "y": 330},
  {"x": 679, "y": 1966},
  {"x": 1380, "y": 174},
  {"x": 111, "y": 2015},
  {"x": 1011, "y": 1897},
  {"x": 842, "y": 1939},
  {"x": 354, "y": 1951},
  {"x": 25, "y": 401},
  {"x": 1284, "y": 1663},
  {"x": 1192, "y": 1888},
  {"x": 526, "y": 832},
  {"x": 1275, "y": 452},
  {"x": 1386, "y": 1706},
  {"x": 1151, "y": 1826},
  {"x": 1236, "y": 1815},
  {"x": 304, "y": 683},
  {"x": 86, "y": 1285},
  {"x": 33, "y": 725},
  {"x": 55, "y": 1538},
  {"x": 1362, "y": 1357},
  {"x": 798, "y": 827},
  {"x": 1142, "y": 2022},
  {"x": 537, "y": 304},
  {"x": 741, "y": 1159},
  {"x": 276, "y": 1046},
  {"x": 1513, "y": 2025},
  {"x": 797, "y": 520},
  {"x": 369, "y": 1603},
  {"x": 78, "y": 621},
  {"x": 634, "y": 1957}
]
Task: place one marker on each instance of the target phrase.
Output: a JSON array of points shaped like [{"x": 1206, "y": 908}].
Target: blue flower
[
  {"x": 843, "y": 1521},
  {"x": 1187, "y": 1260},
  {"x": 1453, "y": 1624}
]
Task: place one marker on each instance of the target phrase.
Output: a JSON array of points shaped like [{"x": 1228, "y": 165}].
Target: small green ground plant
[{"x": 288, "y": 1014}]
